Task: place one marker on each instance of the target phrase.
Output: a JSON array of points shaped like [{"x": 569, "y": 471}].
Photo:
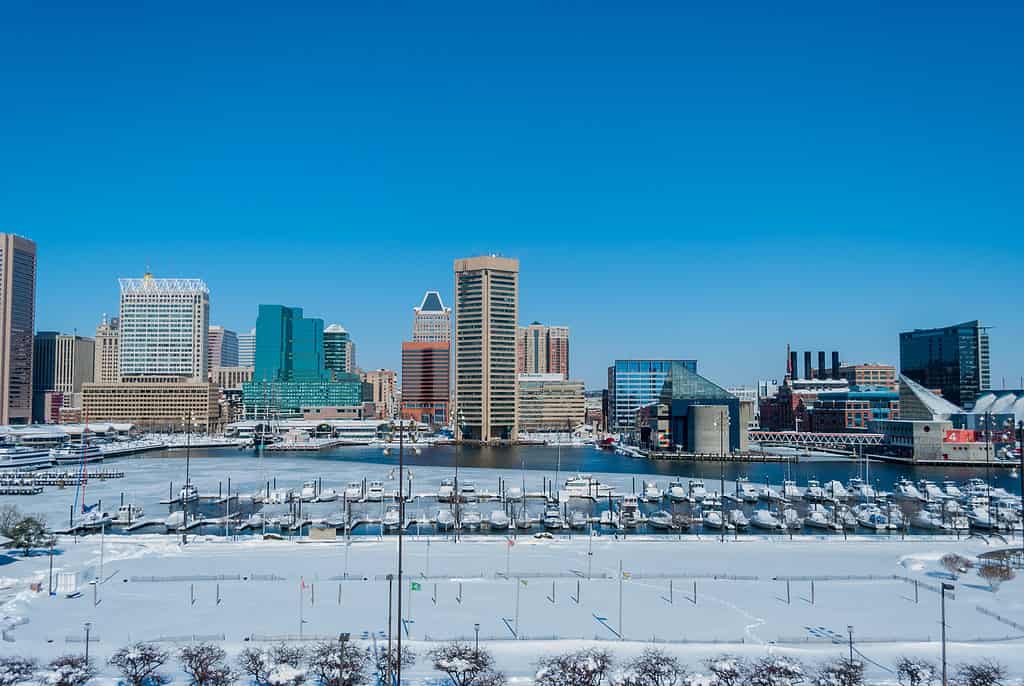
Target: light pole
[
  {"x": 401, "y": 531},
  {"x": 721, "y": 465},
  {"x": 945, "y": 587},
  {"x": 88, "y": 627},
  {"x": 476, "y": 628},
  {"x": 849, "y": 630},
  {"x": 1020, "y": 454},
  {"x": 391, "y": 579}
]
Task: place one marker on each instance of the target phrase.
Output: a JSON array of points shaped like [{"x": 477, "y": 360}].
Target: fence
[
  {"x": 192, "y": 577},
  {"x": 1000, "y": 618},
  {"x": 188, "y": 638}
]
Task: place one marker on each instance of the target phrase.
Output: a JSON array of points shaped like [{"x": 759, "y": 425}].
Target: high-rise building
[
  {"x": 62, "y": 364},
  {"x": 953, "y": 360},
  {"x": 426, "y": 381},
  {"x": 339, "y": 353},
  {"x": 247, "y": 349},
  {"x": 383, "y": 385},
  {"x": 432, "y": 321},
  {"x": 164, "y": 328},
  {"x": 550, "y": 403},
  {"x": 17, "y": 326},
  {"x": 543, "y": 349},
  {"x": 106, "y": 363},
  {"x": 486, "y": 312},
  {"x": 633, "y": 384},
  {"x": 221, "y": 348}
]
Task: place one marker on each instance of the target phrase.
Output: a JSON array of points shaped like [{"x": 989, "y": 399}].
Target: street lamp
[
  {"x": 88, "y": 627},
  {"x": 849, "y": 630},
  {"x": 945, "y": 587},
  {"x": 1020, "y": 454},
  {"x": 476, "y": 628}
]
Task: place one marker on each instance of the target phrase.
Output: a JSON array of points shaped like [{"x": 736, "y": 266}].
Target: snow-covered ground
[{"x": 153, "y": 588}]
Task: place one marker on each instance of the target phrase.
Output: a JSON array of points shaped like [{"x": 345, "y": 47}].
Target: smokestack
[
  {"x": 794, "y": 367},
  {"x": 835, "y": 364},
  {"x": 821, "y": 365},
  {"x": 808, "y": 369}
]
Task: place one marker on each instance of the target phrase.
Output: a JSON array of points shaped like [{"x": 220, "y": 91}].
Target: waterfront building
[
  {"x": 247, "y": 349},
  {"x": 542, "y": 349},
  {"x": 339, "y": 351},
  {"x": 63, "y": 362},
  {"x": 850, "y": 410},
  {"x": 231, "y": 378},
  {"x": 432, "y": 321},
  {"x": 549, "y": 403},
  {"x": 17, "y": 326},
  {"x": 633, "y": 384},
  {"x": 382, "y": 386},
  {"x": 787, "y": 409},
  {"x": 426, "y": 381},
  {"x": 164, "y": 326},
  {"x": 154, "y": 403},
  {"x": 486, "y": 311},
  {"x": 953, "y": 360},
  {"x": 924, "y": 424},
  {"x": 222, "y": 348},
  {"x": 106, "y": 362},
  {"x": 874, "y": 375},
  {"x": 594, "y": 402}
]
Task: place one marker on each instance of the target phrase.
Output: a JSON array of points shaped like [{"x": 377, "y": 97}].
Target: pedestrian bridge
[{"x": 801, "y": 438}]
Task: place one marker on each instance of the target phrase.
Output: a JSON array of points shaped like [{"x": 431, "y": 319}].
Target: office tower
[
  {"x": 247, "y": 349},
  {"x": 17, "y": 326},
  {"x": 221, "y": 347},
  {"x": 952, "y": 359},
  {"x": 633, "y": 384},
  {"x": 543, "y": 349},
  {"x": 106, "y": 363},
  {"x": 62, "y": 364},
  {"x": 550, "y": 403},
  {"x": 426, "y": 381},
  {"x": 486, "y": 311},
  {"x": 164, "y": 328},
  {"x": 432, "y": 321},
  {"x": 339, "y": 352},
  {"x": 383, "y": 385},
  {"x": 44, "y": 360}
]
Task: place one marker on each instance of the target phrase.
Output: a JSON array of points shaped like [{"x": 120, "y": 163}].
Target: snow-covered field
[{"x": 266, "y": 586}]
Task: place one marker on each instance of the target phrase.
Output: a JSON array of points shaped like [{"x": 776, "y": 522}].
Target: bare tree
[
  {"x": 255, "y": 664},
  {"x": 284, "y": 654},
  {"x": 841, "y": 672},
  {"x": 984, "y": 673},
  {"x": 466, "y": 666},
  {"x": 775, "y": 671},
  {"x": 995, "y": 575},
  {"x": 955, "y": 564},
  {"x": 385, "y": 662},
  {"x": 9, "y": 516},
  {"x": 16, "y": 670},
  {"x": 68, "y": 670},
  {"x": 652, "y": 667},
  {"x": 589, "y": 667},
  {"x": 140, "y": 664},
  {"x": 726, "y": 670},
  {"x": 335, "y": 663},
  {"x": 915, "y": 672},
  {"x": 206, "y": 665}
]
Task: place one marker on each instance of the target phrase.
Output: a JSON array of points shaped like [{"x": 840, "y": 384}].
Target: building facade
[
  {"x": 953, "y": 360},
  {"x": 486, "y": 312},
  {"x": 106, "y": 361},
  {"x": 383, "y": 388},
  {"x": 247, "y": 349},
  {"x": 874, "y": 375},
  {"x": 154, "y": 403},
  {"x": 221, "y": 347},
  {"x": 543, "y": 349},
  {"x": 693, "y": 414},
  {"x": 432, "y": 321},
  {"x": 426, "y": 381},
  {"x": 550, "y": 403},
  {"x": 633, "y": 384},
  {"x": 339, "y": 355},
  {"x": 850, "y": 410},
  {"x": 17, "y": 327},
  {"x": 230, "y": 378},
  {"x": 164, "y": 325}
]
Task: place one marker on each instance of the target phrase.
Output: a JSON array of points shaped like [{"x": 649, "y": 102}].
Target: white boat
[
  {"x": 75, "y": 453},
  {"x": 820, "y": 519},
  {"x": 25, "y": 457},
  {"x": 745, "y": 490},
  {"x": 471, "y": 519},
  {"x": 764, "y": 519},
  {"x": 629, "y": 515},
  {"x": 586, "y": 486},
  {"x": 188, "y": 493},
  {"x": 697, "y": 490},
  {"x": 446, "y": 492},
  {"x": 712, "y": 519},
  {"x": 873, "y": 518},
  {"x": 930, "y": 490},
  {"x": 445, "y": 519},
  {"x": 498, "y": 520},
  {"x": 814, "y": 493},
  {"x": 513, "y": 494},
  {"x": 847, "y": 519},
  {"x": 375, "y": 491},
  {"x": 711, "y": 501},
  {"x": 908, "y": 491},
  {"x": 861, "y": 490},
  {"x": 660, "y": 520},
  {"x": 979, "y": 518},
  {"x": 951, "y": 489},
  {"x": 354, "y": 491},
  {"x": 652, "y": 494},
  {"x": 608, "y": 518},
  {"x": 790, "y": 491},
  {"x": 928, "y": 521},
  {"x": 308, "y": 491},
  {"x": 128, "y": 514},
  {"x": 391, "y": 518},
  {"x": 467, "y": 491},
  {"x": 254, "y": 522},
  {"x": 552, "y": 519},
  {"x": 738, "y": 519},
  {"x": 791, "y": 519},
  {"x": 280, "y": 496},
  {"x": 835, "y": 490},
  {"x": 676, "y": 492},
  {"x": 769, "y": 494},
  {"x": 328, "y": 495},
  {"x": 175, "y": 519},
  {"x": 578, "y": 519}
]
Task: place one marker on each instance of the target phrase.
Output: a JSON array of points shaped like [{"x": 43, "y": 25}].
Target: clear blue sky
[{"x": 677, "y": 181}]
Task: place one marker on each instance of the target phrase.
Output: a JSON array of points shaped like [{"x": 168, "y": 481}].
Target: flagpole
[
  {"x": 401, "y": 531},
  {"x": 302, "y": 583}
]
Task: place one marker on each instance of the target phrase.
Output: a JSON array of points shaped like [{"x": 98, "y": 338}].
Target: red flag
[{"x": 302, "y": 583}]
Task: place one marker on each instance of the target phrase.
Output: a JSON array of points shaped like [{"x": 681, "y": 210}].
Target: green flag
[
  {"x": 524, "y": 582},
  {"x": 416, "y": 586}
]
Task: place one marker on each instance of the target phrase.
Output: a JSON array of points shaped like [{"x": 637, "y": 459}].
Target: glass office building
[
  {"x": 953, "y": 360},
  {"x": 633, "y": 384}
]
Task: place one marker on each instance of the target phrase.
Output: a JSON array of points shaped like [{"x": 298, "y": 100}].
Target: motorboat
[
  {"x": 790, "y": 491},
  {"x": 128, "y": 514},
  {"x": 908, "y": 491},
  {"x": 930, "y": 490},
  {"x": 175, "y": 519},
  {"x": 745, "y": 490},
  {"x": 523, "y": 521},
  {"x": 835, "y": 490},
  {"x": 928, "y": 521},
  {"x": 676, "y": 492},
  {"x": 629, "y": 515},
  {"x": 375, "y": 492},
  {"x": 586, "y": 486},
  {"x": 979, "y": 518},
  {"x": 328, "y": 495},
  {"x": 498, "y": 521},
  {"x": 814, "y": 493},
  {"x": 861, "y": 490},
  {"x": 660, "y": 520},
  {"x": 23, "y": 457},
  {"x": 697, "y": 490},
  {"x": 467, "y": 491},
  {"x": 308, "y": 492},
  {"x": 608, "y": 518},
  {"x": 514, "y": 494},
  {"x": 873, "y": 518},
  {"x": 94, "y": 520},
  {"x": 552, "y": 519},
  {"x": 712, "y": 519},
  {"x": 847, "y": 519},
  {"x": 578, "y": 520},
  {"x": 791, "y": 519},
  {"x": 820, "y": 519},
  {"x": 471, "y": 519},
  {"x": 446, "y": 492},
  {"x": 391, "y": 519},
  {"x": 769, "y": 494},
  {"x": 253, "y": 522},
  {"x": 76, "y": 453},
  {"x": 738, "y": 519},
  {"x": 188, "y": 493},
  {"x": 445, "y": 519},
  {"x": 951, "y": 489},
  {"x": 652, "y": 494},
  {"x": 280, "y": 496},
  {"x": 354, "y": 491},
  {"x": 896, "y": 520},
  {"x": 764, "y": 519},
  {"x": 711, "y": 501}
]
